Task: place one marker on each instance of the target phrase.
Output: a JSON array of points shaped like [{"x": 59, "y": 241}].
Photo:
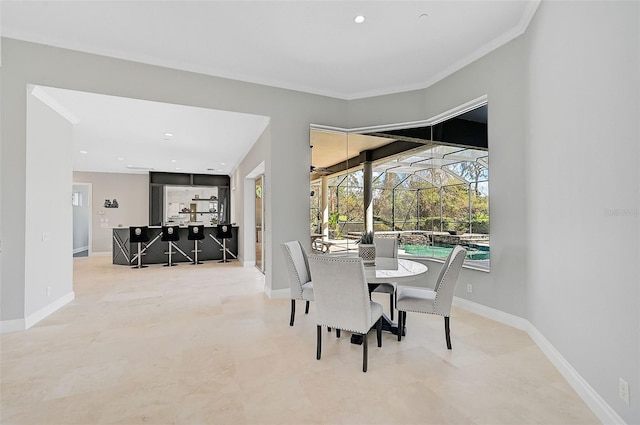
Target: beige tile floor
[{"x": 204, "y": 345}]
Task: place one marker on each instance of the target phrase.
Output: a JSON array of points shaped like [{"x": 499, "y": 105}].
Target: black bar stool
[
  {"x": 139, "y": 235},
  {"x": 170, "y": 234},
  {"x": 196, "y": 233},
  {"x": 223, "y": 232}
]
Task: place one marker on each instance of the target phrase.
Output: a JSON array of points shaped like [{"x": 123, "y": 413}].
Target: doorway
[
  {"x": 81, "y": 204},
  {"x": 259, "y": 213}
]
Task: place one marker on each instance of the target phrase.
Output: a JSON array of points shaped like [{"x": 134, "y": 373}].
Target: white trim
[
  {"x": 443, "y": 116},
  {"x": 460, "y": 109},
  {"x": 527, "y": 16},
  {"x": 480, "y": 52},
  {"x": 493, "y": 314},
  {"x": 83, "y": 248},
  {"x": 598, "y": 406},
  {"x": 49, "y": 309},
  {"x": 248, "y": 264},
  {"x": 101, "y": 254},
  {"x": 38, "y": 93},
  {"x": 277, "y": 293},
  {"x": 13, "y": 325},
  {"x": 24, "y": 324},
  {"x": 592, "y": 399}
]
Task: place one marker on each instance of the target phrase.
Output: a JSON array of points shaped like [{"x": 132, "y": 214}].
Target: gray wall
[
  {"x": 288, "y": 145},
  {"x": 47, "y": 208},
  {"x": 245, "y": 195},
  {"x": 132, "y": 193},
  {"x": 500, "y": 76},
  {"x": 537, "y": 110},
  {"x": 583, "y": 190}
]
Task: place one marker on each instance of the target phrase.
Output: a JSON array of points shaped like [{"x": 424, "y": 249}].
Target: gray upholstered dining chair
[
  {"x": 387, "y": 247},
  {"x": 436, "y": 301},
  {"x": 299, "y": 277},
  {"x": 342, "y": 300}
]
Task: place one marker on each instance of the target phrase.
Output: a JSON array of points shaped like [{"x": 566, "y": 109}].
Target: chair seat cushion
[
  {"x": 420, "y": 300},
  {"x": 376, "y": 312},
  {"x": 307, "y": 291}
]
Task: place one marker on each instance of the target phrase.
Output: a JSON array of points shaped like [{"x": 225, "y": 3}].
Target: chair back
[
  {"x": 223, "y": 231},
  {"x": 138, "y": 234},
  {"x": 386, "y": 247},
  {"x": 446, "y": 283},
  {"x": 196, "y": 232},
  {"x": 170, "y": 233},
  {"x": 341, "y": 293},
  {"x": 297, "y": 267}
]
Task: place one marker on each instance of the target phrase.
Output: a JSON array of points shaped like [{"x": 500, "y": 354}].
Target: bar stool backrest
[
  {"x": 138, "y": 234},
  {"x": 170, "y": 233},
  {"x": 196, "y": 232}
]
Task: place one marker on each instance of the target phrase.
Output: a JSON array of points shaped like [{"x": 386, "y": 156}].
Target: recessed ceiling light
[
  {"x": 359, "y": 19},
  {"x": 223, "y": 163},
  {"x": 120, "y": 158},
  {"x": 168, "y": 134},
  {"x": 84, "y": 152},
  {"x": 423, "y": 16},
  {"x": 178, "y": 168},
  {"x": 173, "y": 160}
]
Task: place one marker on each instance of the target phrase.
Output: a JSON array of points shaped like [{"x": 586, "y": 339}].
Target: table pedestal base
[{"x": 387, "y": 326}]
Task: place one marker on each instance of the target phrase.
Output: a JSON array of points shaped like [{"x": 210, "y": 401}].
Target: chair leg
[
  {"x": 400, "y": 324},
  {"x": 293, "y": 312},
  {"x": 391, "y": 304},
  {"x": 306, "y": 308},
  {"x": 364, "y": 352},
  {"x": 379, "y": 331},
  {"x": 319, "y": 342},
  {"x": 447, "y": 332},
  {"x": 337, "y": 333}
]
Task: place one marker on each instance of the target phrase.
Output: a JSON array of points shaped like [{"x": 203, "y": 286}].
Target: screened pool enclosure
[{"x": 431, "y": 195}]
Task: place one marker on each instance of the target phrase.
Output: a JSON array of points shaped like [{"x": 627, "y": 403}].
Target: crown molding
[{"x": 41, "y": 95}]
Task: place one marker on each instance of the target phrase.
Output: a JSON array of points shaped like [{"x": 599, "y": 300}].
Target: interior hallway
[{"x": 204, "y": 344}]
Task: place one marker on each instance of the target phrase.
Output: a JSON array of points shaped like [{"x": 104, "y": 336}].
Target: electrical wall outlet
[
  {"x": 623, "y": 389},
  {"x": 469, "y": 288}
]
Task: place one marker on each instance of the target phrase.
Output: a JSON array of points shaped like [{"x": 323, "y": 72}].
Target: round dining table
[{"x": 396, "y": 270}]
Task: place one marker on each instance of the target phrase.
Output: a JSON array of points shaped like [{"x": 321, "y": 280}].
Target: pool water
[{"x": 442, "y": 252}]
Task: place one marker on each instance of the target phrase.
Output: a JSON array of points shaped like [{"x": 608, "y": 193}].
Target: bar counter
[{"x": 154, "y": 251}]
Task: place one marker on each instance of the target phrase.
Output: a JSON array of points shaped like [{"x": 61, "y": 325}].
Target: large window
[{"x": 430, "y": 194}]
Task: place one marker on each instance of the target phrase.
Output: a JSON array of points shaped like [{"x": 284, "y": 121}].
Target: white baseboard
[
  {"x": 13, "y": 325},
  {"x": 45, "y": 311},
  {"x": 24, "y": 324},
  {"x": 278, "y": 293},
  {"x": 102, "y": 254},
  {"x": 493, "y": 314},
  {"x": 592, "y": 399},
  {"x": 598, "y": 406}
]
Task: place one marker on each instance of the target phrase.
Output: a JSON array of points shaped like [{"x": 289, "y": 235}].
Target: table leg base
[{"x": 387, "y": 326}]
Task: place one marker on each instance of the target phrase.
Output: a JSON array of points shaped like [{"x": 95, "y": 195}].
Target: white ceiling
[
  {"x": 311, "y": 46},
  {"x": 120, "y": 135}
]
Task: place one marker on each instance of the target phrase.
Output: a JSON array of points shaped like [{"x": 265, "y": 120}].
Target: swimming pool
[{"x": 442, "y": 252}]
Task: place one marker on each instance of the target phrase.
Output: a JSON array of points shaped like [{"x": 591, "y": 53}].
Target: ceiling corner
[{"x": 39, "y": 94}]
